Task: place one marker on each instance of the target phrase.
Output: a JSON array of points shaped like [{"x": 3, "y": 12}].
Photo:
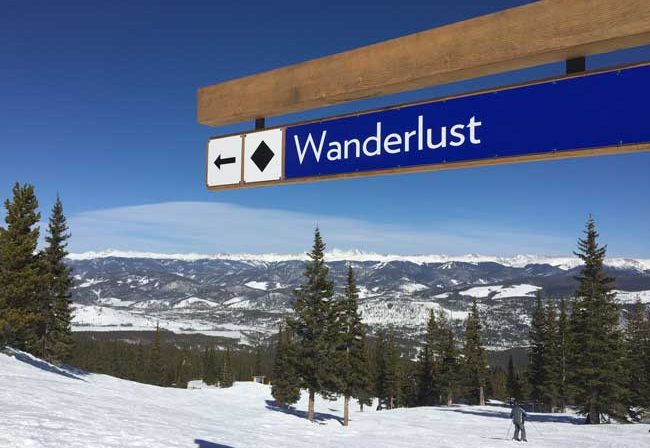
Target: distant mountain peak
[{"x": 518, "y": 261}]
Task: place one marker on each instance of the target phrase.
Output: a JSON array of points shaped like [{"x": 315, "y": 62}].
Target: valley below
[{"x": 245, "y": 297}]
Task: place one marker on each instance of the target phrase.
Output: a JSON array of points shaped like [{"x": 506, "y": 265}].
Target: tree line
[
  {"x": 170, "y": 364},
  {"x": 35, "y": 305},
  {"x": 580, "y": 353},
  {"x": 323, "y": 348}
]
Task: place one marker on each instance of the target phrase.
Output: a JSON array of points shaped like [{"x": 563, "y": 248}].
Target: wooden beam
[{"x": 525, "y": 36}]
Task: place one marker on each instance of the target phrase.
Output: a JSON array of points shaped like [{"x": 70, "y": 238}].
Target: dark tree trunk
[{"x": 310, "y": 408}]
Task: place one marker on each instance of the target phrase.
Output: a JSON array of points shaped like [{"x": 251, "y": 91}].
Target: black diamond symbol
[{"x": 262, "y": 156}]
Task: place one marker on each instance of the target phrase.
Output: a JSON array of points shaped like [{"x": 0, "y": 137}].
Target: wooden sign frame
[
  {"x": 559, "y": 155},
  {"x": 536, "y": 33}
]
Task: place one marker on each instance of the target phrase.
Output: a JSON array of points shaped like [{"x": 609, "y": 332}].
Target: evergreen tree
[
  {"x": 366, "y": 394},
  {"x": 257, "y": 367},
  {"x": 394, "y": 372},
  {"x": 637, "y": 341},
  {"x": 564, "y": 345},
  {"x": 210, "y": 374},
  {"x": 227, "y": 376},
  {"x": 400, "y": 381},
  {"x": 21, "y": 273},
  {"x": 427, "y": 394},
  {"x": 284, "y": 386},
  {"x": 139, "y": 364},
  {"x": 447, "y": 371},
  {"x": 352, "y": 362},
  {"x": 57, "y": 336},
  {"x": 525, "y": 388},
  {"x": 551, "y": 360},
  {"x": 156, "y": 372},
  {"x": 311, "y": 326},
  {"x": 536, "y": 337},
  {"x": 513, "y": 382},
  {"x": 384, "y": 376},
  {"x": 409, "y": 383},
  {"x": 598, "y": 349},
  {"x": 498, "y": 384},
  {"x": 186, "y": 370},
  {"x": 475, "y": 358}
]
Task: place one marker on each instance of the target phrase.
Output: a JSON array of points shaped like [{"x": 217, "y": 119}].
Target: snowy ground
[
  {"x": 103, "y": 318},
  {"x": 42, "y": 406}
]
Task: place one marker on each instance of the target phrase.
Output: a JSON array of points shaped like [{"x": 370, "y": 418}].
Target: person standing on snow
[{"x": 518, "y": 416}]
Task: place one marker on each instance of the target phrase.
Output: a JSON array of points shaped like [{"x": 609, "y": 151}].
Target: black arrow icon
[{"x": 224, "y": 161}]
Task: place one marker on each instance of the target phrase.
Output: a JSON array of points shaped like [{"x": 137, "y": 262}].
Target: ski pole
[
  {"x": 534, "y": 426},
  {"x": 509, "y": 428}
]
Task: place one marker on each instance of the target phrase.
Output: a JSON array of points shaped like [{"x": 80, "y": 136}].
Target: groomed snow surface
[{"x": 43, "y": 406}]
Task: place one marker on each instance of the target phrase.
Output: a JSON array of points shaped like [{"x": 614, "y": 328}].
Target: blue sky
[{"x": 98, "y": 104}]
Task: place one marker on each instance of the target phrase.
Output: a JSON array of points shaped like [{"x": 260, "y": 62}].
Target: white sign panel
[
  {"x": 263, "y": 156},
  {"x": 224, "y": 161}
]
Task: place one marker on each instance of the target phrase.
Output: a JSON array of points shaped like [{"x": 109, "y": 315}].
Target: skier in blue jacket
[{"x": 518, "y": 416}]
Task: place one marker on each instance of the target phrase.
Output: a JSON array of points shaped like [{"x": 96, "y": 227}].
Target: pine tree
[
  {"x": 536, "y": 337},
  {"x": 21, "y": 273},
  {"x": 227, "y": 376},
  {"x": 394, "y": 378},
  {"x": 401, "y": 378},
  {"x": 498, "y": 384},
  {"x": 383, "y": 373},
  {"x": 564, "y": 346},
  {"x": 551, "y": 360},
  {"x": 311, "y": 326},
  {"x": 475, "y": 358},
  {"x": 447, "y": 371},
  {"x": 409, "y": 384},
  {"x": 352, "y": 361},
  {"x": 186, "y": 370},
  {"x": 57, "y": 338},
  {"x": 284, "y": 388},
  {"x": 597, "y": 342},
  {"x": 139, "y": 364},
  {"x": 156, "y": 372},
  {"x": 257, "y": 367},
  {"x": 513, "y": 383},
  {"x": 210, "y": 374},
  {"x": 427, "y": 394},
  {"x": 366, "y": 394},
  {"x": 637, "y": 341}
]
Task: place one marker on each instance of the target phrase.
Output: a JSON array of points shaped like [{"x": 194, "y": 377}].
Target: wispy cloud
[{"x": 207, "y": 227}]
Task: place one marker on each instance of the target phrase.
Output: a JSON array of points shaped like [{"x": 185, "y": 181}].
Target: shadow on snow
[
  {"x": 40, "y": 364},
  {"x": 319, "y": 417},
  {"x": 541, "y": 418},
  {"x": 206, "y": 444}
]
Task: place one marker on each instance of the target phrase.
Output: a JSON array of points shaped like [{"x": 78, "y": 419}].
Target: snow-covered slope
[
  {"x": 517, "y": 261},
  {"x": 44, "y": 406},
  {"x": 502, "y": 292}
]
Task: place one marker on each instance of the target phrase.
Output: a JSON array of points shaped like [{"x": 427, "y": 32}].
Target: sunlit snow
[{"x": 48, "y": 407}]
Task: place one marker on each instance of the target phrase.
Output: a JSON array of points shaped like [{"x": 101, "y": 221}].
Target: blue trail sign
[
  {"x": 599, "y": 113},
  {"x": 605, "y": 109}
]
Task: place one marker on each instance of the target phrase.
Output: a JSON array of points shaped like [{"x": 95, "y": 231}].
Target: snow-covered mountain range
[
  {"x": 239, "y": 295},
  {"x": 517, "y": 261}
]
